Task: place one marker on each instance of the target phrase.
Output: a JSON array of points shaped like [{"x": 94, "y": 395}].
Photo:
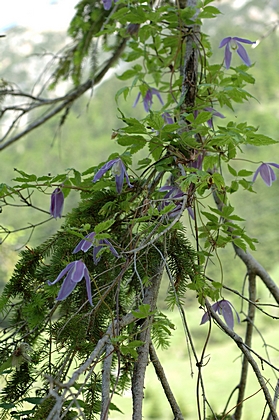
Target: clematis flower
[
  {"x": 103, "y": 243},
  {"x": 74, "y": 272},
  {"x": 234, "y": 44},
  {"x": 167, "y": 118},
  {"x": 147, "y": 100},
  {"x": 266, "y": 173},
  {"x": 56, "y": 203},
  {"x": 133, "y": 29},
  {"x": 118, "y": 170},
  {"x": 174, "y": 192},
  {"x": 89, "y": 241},
  {"x": 223, "y": 307},
  {"x": 107, "y": 4},
  {"x": 215, "y": 114}
]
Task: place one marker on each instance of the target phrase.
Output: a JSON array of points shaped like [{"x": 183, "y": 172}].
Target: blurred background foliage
[{"x": 85, "y": 140}]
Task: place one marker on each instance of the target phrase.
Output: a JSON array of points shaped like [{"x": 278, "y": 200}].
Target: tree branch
[
  {"x": 248, "y": 341},
  {"x": 150, "y": 298},
  {"x": 164, "y": 382},
  {"x": 239, "y": 342},
  {"x": 66, "y": 100}
]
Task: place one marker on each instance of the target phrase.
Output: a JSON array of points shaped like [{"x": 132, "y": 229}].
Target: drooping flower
[
  {"x": 56, "y": 203},
  {"x": 215, "y": 114},
  {"x": 101, "y": 244},
  {"x": 266, "y": 172},
  {"x": 89, "y": 241},
  {"x": 147, "y": 100},
  {"x": 133, "y": 29},
  {"x": 173, "y": 192},
  {"x": 118, "y": 170},
  {"x": 234, "y": 44},
  {"x": 167, "y": 118},
  {"x": 107, "y": 4},
  {"x": 223, "y": 307},
  {"x": 74, "y": 272}
]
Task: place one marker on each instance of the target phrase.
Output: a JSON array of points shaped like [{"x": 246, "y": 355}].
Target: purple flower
[
  {"x": 133, "y": 29},
  {"x": 266, "y": 173},
  {"x": 103, "y": 243},
  {"x": 174, "y": 192},
  {"x": 147, "y": 100},
  {"x": 167, "y": 118},
  {"x": 118, "y": 170},
  {"x": 85, "y": 244},
  {"x": 213, "y": 111},
  {"x": 74, "y": 272},
  {"x": 235, "y": 44},
  {"x": 56, "y": 203},
  {"x": 197, "y": 163},
  {"x": 107, "y": 4},
  {"x": 223, "y": 307},
  {"x": 215, "y": 114},
  {"x": 89, "y": 241}
]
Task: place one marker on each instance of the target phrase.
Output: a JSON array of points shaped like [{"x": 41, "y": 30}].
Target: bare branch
[
  {"x": 164, "y": 382},
  {"x": 239, "y": 342},
  {"x": 248, "y": 341},
  {"x": 64, "y": 101}
]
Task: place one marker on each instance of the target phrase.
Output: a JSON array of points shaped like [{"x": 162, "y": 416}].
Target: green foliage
[{"x": 138, "y": 232}]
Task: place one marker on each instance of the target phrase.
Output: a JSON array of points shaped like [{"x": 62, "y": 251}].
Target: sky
[{"x": 38, "y": 15}]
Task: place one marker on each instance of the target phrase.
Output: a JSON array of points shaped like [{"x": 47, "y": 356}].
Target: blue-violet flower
[
  {"x": 118, "y": 170},
  {"x": 89, "y": 241},
  {"x": 223, "y": 307},
  {"x": 171, "y": 195},
  {"x": 74, "y": 272},
  {"x": 147, "y": 100},
  {"x": 266, "y": 173},
  {"x": 56, "y": 203},
  {"x": 232, "y": 44},
  {"x": 107, "y": 4}
]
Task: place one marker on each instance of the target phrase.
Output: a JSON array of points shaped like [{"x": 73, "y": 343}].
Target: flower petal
[
  {"x": 267, "y": 174},
  {"x": 56, "y": 203},
  {"x": 227, "y": 313},
  {"x": 88, "y": 285},
  {"x": 137, "y": 99},
  {"x": 104, "y": 169},
  {"x": 245, "y": 41},
  {"x": 228, "y": 56},
  {"x": 85, "y": 244},
  {"x": 225, "y": 41},
  {"x": 62, "y": 274},
  {"x": 66, "y": 288},
  {"x": 243, "y": 54},
  {"x": 107, "y": 4},
  {"x": 77, "y": 271}
]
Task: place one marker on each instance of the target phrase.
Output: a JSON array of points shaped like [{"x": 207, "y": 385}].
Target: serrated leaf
[
  {"x": 244, "y": 172},
  {"x": 103, "y": 225},
  {"x": 260, "y": 140}
]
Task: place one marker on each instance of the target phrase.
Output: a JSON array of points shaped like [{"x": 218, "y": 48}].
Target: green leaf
[
  {"x": 123, "y": 91},
  {"x": 104, "y": 225},
  {"x": 66, "y": 191},
  {"x": 260, "y": 140},
  {"x": 143, "y": 311},
  {"x": 232, "y": 170},
  {"x": 244, "y": 172}
]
